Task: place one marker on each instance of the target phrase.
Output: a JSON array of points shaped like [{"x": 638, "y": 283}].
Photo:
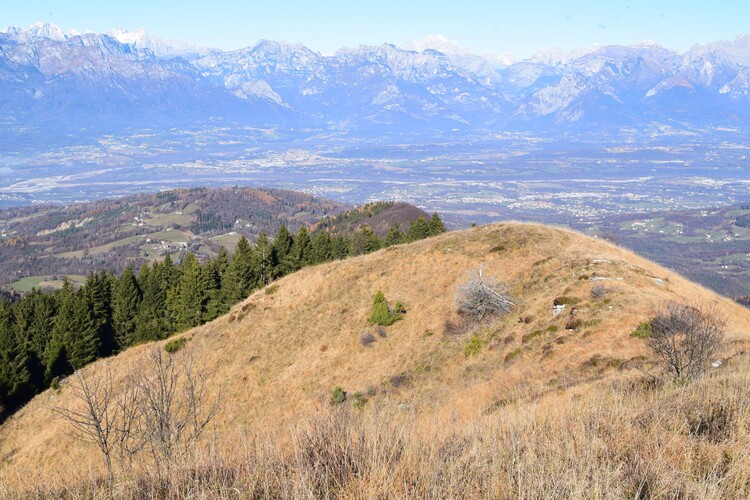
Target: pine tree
[
  {"x": 436, "y": 225},
  {"x": 150, "y": 320},
  {"x": 394, "y": 236},
  {"x": 98, "y": 293},
  {"x": 221, "y": 262},
  {"x": 282, "y": 246},
  {"x": 239, "y": 278},
  {"x": 55, "y": 355},
  {"x": 321, "y": 249},
  {"x": 82, "y": 341},
  {"x": 340, "y": 247},
  {"x": 419, "y": 229},
  {"x": 300, "y": 249},
  {"x": 34, "y": 316},
  {"x": 15, "y": 378},
  {"x": 264, "y": 265},
  {"x": 170, "y": 272},
  {"x": 364, "y": 240},
  {"x": 187, "y": 301},
  {"x": 126, "y": 298},
  {"x": 215, "y": 302}
]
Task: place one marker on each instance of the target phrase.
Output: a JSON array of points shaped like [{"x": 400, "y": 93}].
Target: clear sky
[{"x": 520, "y": 27}]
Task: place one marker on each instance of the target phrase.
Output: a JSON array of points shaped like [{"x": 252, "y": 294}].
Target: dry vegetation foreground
[{"x": 532, "y": 405}]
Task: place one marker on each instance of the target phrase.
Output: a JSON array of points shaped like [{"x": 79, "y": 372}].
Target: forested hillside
[
  {"x": 47, "y": 335},
  {"x": 50, "y": 242}
]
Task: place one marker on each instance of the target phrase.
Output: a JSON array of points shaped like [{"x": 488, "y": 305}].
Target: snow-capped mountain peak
[
  {"x": 37, "y": 30},
  {"x": 438, "y": 43},
  {"x": 140, "y": 39}
]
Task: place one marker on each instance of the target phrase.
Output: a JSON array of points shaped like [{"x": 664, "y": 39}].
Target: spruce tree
[
  {"x": 239, "y": 278},
  {"x": 215, "y": 302},
  {"x": 394, "y": 236},
  {"x": 340, "y": 247},
  {"x": 34, "y": 315},
  {"x": 98, "y": 293},
  {"x": 419, "y": 229},
  {"x": 170, "y": 272},
  {"x": 55, "y": 355},
  {"x": 15, "y": 379},
  {"x": 221, "y": 262},
  {"x": 187, "y": 301},
  {"x": 82, "y": 341},
  {"x": 264, "y": 257},
  {"x": 436, "y": 225},
  {"x": 126, "y": 298},
  {"x": 300, "y": 249},
  {"x": 282, "y": 246},
  {"x": 321, "y": 249},
  {"x": 150, "y": 321}
]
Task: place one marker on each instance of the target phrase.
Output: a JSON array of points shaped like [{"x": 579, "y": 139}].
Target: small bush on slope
[{"x": 382, "y": 313}]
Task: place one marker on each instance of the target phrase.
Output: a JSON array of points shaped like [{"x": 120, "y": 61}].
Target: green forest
[{"x": 46, "y": 335}]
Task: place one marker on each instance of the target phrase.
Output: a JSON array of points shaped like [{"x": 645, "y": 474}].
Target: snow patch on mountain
[
  {"x": 439, "y": 43},
  {"x": 37, "y": 30},
  {"x": 140, "y": 39}
]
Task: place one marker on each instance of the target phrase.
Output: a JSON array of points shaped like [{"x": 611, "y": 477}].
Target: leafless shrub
[
  {"x": 600, "y": 291},
  {"x": 367, "y": 339},
  {"x": 483, "y": 297},
  {"x": 686, "y": 338}
]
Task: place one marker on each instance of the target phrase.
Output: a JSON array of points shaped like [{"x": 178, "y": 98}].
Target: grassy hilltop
[{"x": 529, "y": 405}]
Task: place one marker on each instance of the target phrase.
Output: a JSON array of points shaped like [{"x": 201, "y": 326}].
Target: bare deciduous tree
[
  {"x": 484, "y": 297},
  {"x": 686, "y": 338},
  {"x": 175, "y": 404},
  {"x": 95, "y": 422},
  {"x": 130, "y": 437},
  {"x": 164, "y": 409}
]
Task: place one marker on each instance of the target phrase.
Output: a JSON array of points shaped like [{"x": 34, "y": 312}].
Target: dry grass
[
  {"x": 277, "y": 356},
  {"x": 624, "y": 439}
]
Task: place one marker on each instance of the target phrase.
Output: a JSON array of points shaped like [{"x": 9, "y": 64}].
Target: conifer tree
[
  {"x": 419, "y": 229},
  {"x": 221, "y": 262},
  {"x": 55, "y": 355},
  {"x": 264, "y": 256},
  {"x": 187, "y": 301},
  {"x": 170, "y": 272},
  {"x": 282, "y": 246},
  {"x": 300, "y": 249},
  {"x": 215, "y": 302},
  {"x": 239, "y": 278},
  {"x": 82, "y": 341},
  {"x": 34, "y": 315},
  {"x": 321, "y": 249},
  {"x": 364, "y": 240},
  {"x": 15, "y": 378},
  {"x": 150, "y": 321},
  {"x": 126, "y": 298},
  {"x": 436, "y": 225},
  {"x": 394, "y": 236},
  {"x": 97, "y": 291},
  {"x": 339, "y": 247}
]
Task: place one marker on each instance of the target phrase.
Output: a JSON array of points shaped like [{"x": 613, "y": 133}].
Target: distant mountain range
[{"x": 95, "y": 83}]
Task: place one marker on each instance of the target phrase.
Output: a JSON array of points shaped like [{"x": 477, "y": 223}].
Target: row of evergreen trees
[{"x": 46, "y": 335}]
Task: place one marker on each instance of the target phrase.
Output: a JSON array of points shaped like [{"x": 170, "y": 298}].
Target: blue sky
[{"x": 519, "y": 27}]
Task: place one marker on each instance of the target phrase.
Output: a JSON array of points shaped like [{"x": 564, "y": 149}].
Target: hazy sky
[{"x": 520, "y": 27}]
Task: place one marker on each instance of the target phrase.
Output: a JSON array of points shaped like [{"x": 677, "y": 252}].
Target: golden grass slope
[{"x": 278, "y": 355}]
